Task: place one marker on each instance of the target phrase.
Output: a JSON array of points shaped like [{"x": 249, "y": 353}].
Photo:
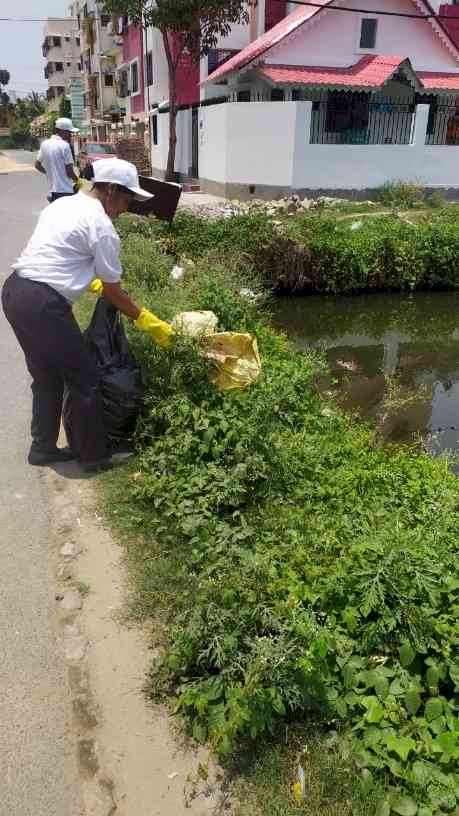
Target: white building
[
  {"x": 99, "y": 45},
  {"x": 327, "y": 100},
  {"x": 61, "y": 50}
]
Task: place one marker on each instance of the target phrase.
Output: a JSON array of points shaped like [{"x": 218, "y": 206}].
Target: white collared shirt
[
  {"x": 55, "y": 154},
  {"x": 73, "y": 243}
]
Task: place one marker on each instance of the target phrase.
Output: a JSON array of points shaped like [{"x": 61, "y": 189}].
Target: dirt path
[{"x": 130, "y": 762}]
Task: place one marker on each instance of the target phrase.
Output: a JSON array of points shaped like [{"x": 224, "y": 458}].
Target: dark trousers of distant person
[
  {"x": 54, "y": 196},
  {"x": 57, "y": 359}
]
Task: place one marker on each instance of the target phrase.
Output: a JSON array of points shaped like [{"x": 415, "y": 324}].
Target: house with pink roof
[{"x": 335, "y": 95}]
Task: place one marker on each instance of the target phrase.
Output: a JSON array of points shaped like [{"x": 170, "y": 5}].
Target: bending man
[{"x": 74, "y": 243}]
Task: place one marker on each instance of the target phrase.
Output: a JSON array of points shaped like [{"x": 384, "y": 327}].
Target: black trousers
[
  {"x": 56, "y": 356},
  {"x": 54, "y": 196}
]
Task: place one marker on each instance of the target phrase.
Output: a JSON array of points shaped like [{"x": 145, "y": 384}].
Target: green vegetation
[
  {"x": 403, "y": 194},
  {"x": 323, "y": 253},
  {"x": 303, "y": 572}
]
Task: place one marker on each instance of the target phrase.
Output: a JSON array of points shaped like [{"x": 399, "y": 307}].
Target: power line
[
  {"x": 432, "y": 16},
  {"x": 37, "y": 19},
  {"x": 309, "y": 3}
]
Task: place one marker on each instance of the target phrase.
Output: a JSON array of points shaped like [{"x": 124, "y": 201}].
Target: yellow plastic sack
[{"x": 235, "y": 359}]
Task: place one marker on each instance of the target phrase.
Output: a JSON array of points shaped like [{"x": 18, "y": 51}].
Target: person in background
[
  {"x": 55, "y": 159},
  {"x": 74, "y": 247}
]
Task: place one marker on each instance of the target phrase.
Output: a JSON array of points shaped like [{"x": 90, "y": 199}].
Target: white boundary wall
[
  {"x": 160, "y": 151},
  {"x": 266, "y": 144}
]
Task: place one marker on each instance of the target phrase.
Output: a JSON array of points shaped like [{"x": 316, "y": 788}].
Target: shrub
[
  {"x": 436, "y": 200},
  {"x": 292, "y": 552},
  {"x": 321, "y": 253},
  {"x": 403, "y": 194}
]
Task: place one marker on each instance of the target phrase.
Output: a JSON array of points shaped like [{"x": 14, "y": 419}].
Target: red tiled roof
[
  {"x": 258, "y": 47},
  {"x": 289, "y": 24},
  {"x": 369, "y": 72},
  {"x": 439, "y": 82}
]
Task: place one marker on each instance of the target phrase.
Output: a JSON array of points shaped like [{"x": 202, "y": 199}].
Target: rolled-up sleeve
[{"x": 107, "y": 258}]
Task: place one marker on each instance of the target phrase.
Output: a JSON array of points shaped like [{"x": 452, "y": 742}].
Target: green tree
[
  {"x": 187, "y": 27},
  {"x": 25, "y": 111},
  {"x": 4, "y": 76}
]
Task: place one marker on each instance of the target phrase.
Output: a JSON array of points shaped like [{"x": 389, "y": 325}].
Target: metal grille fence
[
  {"x": 443, "y": 125},
  {"x": 345, "y": 118}
]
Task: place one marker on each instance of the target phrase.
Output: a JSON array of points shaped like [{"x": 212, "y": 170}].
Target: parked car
[{"x": 91, "y": 152}]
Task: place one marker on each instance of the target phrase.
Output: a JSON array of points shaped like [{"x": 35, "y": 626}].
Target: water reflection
[{"x": 393, "y": 358}]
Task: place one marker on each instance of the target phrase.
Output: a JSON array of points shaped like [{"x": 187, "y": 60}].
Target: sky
[{"x": 20, "y": 43}]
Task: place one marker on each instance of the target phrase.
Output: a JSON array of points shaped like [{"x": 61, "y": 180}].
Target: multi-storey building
[
  {"x": 99, "y": 46},
  {"x": 61, "y": 50}
]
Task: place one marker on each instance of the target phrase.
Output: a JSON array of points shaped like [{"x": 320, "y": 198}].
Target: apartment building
[
  {"x": 61, "y": 50},
  {"x": 99, "y": 47}
]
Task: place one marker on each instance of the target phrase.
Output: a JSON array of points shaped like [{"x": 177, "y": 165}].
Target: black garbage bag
[{"x": 120, "y": 377}]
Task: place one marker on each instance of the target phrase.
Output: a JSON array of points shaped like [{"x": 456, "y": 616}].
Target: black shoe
[
  {"x": 42, "y": 458},
  {"x": 97, "y": 466}
]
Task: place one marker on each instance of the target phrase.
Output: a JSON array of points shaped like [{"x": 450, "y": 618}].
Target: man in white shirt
[
  {"x": 55, "y": 159},
  {"x": 74, "y": 243}
]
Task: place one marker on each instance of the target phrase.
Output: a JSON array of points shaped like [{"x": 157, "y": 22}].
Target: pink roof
[
  {"x": 288, "y": 25},
  {"x": 368, "y": 72},
  {"x": 439, "y": 82},
  {"x": 267, "y": 40}
]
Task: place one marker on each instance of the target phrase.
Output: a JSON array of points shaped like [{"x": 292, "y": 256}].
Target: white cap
[
  {"x": 119, "y": 171},
  {"x": 65, "y": 124}
]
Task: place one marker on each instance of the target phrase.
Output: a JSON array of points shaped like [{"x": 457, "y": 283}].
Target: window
[
  {"x": 77, "y": 40},
  {"x": 68, "y": 64},
  {"x": 243, "y": 96},
  {"x": 67, "y": 37},
  {"x": 296, "y": 95},
  {"x": 216, "y": 57},
  {"x": 134, "y": 78},
  {"x": 150, "y": 68},
  {"x": 346, "y": 111},
  {"x": 104, "y": 20},
  {"x": 59, "y": 66},
  {"x": 277, "y": 95},
  {"x": 57, "y": 42},
  {"x": 108, "y": 80},
  {"x": 123, "y": 83},
  {"x": 368, "y": 33},
  {"x": 154, "y": 121}
]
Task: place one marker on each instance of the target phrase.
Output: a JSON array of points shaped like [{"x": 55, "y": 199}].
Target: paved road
[
  {"x": 21, "y": 156},
  {"x": 37, "y": 765}
]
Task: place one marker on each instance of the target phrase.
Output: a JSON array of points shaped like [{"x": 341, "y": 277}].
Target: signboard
[{"x": 77, "y": 102}]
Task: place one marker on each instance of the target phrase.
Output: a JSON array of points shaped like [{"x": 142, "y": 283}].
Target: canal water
[{"x": 394, "y": 359}]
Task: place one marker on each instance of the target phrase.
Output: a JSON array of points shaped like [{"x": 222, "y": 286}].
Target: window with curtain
[{"x": 134, "y": 77}]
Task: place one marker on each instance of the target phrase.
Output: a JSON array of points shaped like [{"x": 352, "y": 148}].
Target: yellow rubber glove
[
  {"x": 79, "y": 184},
  {"x": 159, "y": 331},
  {"x": 96, "y": 287}
]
